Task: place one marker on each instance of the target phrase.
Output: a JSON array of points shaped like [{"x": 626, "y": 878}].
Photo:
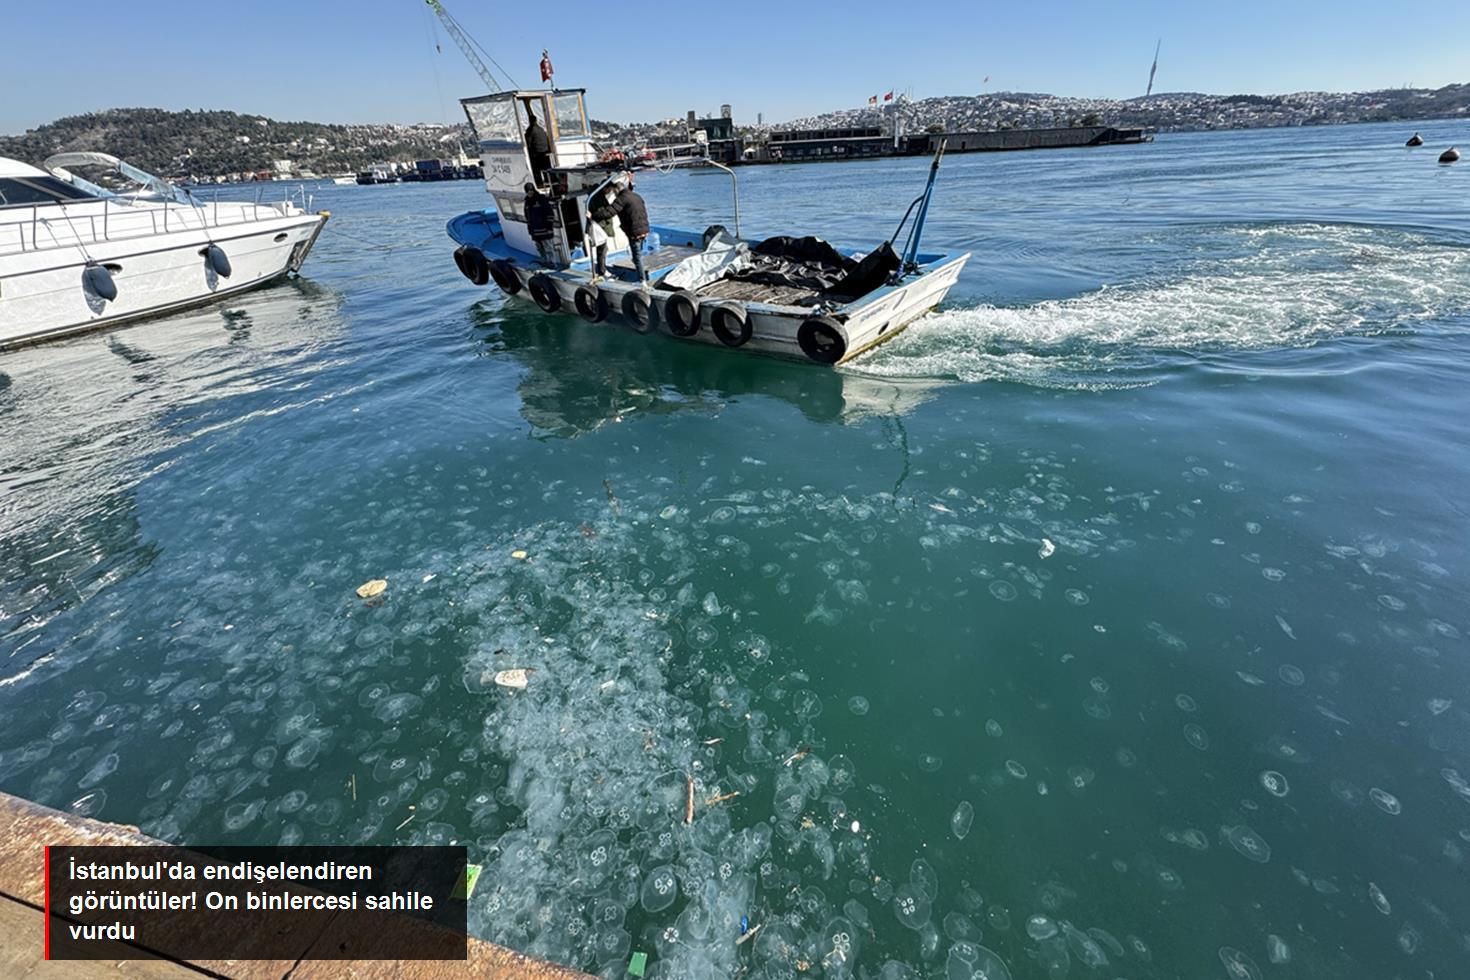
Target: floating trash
[
  {"x": 1047, "y": 548},
  {"x": 515, "y": 678},
  {"x": 371, "y": 588},
  {"x": 1276, "y": 949}
]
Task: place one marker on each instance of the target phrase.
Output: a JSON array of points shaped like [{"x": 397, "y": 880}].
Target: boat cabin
[
  {"x": 500, "y": 122},
  {"x": 22, "y": 185}
]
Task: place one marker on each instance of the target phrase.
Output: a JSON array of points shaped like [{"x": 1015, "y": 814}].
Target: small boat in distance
[
  {"x": 791, "y": 295},
  {"x": 77, "y": 254}
]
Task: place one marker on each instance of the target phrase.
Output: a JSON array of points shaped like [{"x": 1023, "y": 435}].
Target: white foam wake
[{"x": 1277, "y": 286}]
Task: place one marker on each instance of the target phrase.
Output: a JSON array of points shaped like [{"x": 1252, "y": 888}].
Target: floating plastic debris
[
  {"x": 465, "y": 887},
  {"x": 371, "y": 588},
  {"x": 519, "y": 555},
  {"x": 515, "y": 678},
  {"x": 1047, "y": 548},
  {"x": 637, "y": 964}
]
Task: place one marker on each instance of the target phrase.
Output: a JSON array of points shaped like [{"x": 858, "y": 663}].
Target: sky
[{"x": 374, "y": 60}]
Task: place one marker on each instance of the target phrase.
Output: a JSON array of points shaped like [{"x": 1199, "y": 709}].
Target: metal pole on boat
[
  {"x": 912, "y": 252},
  {"x": 734, "y": 191}
]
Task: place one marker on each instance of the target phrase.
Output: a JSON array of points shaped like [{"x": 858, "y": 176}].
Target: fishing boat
[
  {"x": 77, "y": 255},
  {"x": 790, "y": 295}
]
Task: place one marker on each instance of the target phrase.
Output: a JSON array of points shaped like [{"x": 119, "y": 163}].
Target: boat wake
[{"x": 1246, "y": 288}]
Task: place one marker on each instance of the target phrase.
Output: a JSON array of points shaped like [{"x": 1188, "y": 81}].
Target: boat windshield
[
  {"x": 570, "y": 122},
  {"x": 25, "y": 191}
]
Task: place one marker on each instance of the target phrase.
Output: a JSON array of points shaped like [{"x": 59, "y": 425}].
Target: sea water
[{"x": 1109, "y": 622}]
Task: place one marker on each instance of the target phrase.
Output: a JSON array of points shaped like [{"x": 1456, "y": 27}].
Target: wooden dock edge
[{"x": 27, "y": 828}]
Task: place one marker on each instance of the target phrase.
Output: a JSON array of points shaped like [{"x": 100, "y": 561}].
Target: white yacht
[{"x": 76, "y": 255}]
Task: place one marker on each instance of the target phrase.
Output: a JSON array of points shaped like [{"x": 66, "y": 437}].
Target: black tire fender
[
  {"x": 639, "y": 311},
  {"x": 821, "y": 339},
  {"x": 544, "y": 292},
  {"x": 590, "y": 302},
  {"x": 731, "y": 323},
  {"x": 682, "y": 312},
  {"x": 505, "y": 277}
]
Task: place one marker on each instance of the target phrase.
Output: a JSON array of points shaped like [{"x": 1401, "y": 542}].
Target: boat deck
[
  {"x": 756, "y": 292},
  {"x": 666, "y": 257}
]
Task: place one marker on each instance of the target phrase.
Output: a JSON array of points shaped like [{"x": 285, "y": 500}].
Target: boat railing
[
  {"x": 65, "y": 227},
  {"x": 673, "y": 162}
]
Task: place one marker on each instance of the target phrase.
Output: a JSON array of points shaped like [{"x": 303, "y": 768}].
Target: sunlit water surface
[{"x": 1109, "y": 622}]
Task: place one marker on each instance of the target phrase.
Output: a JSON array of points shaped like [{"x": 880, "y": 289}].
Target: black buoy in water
[
  {"x": 1415, "y": 140},
  {"x": 1449, "y": 156}
]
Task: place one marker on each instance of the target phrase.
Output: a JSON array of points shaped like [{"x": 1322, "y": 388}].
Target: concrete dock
[{"x": 27, "y": 828}]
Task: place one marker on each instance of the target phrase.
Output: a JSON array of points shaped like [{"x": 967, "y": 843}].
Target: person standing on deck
[
  {"x": 604, "y": 219},
  {"x": 632, "y": 214},
  {"x": 541, "y": 223},
  {"x": 538, "y": 147}
]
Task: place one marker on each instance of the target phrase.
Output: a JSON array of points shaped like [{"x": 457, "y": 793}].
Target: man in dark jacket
[
  {"x": 541, "y": 223},
  {"x": 538, "y": 147},
  {"x": 633, "y": 216}
]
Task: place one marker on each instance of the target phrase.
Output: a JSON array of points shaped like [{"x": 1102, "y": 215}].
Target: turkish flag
[
  {"x": 888, "y": 97},
  {"x": 546, "y": 69}
]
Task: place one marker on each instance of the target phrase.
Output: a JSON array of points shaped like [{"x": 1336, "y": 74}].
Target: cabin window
[
  {"x": 16, "y": 191},
  {"x": 570, "y": 122},
  {"x": 494, "y": 121}
]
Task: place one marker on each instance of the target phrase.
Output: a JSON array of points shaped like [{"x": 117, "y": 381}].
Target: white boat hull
[{"x": 43, "y": 295}]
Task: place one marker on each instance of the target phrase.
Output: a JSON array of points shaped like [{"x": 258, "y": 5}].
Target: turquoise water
[{"x": 1109, "y": 622}]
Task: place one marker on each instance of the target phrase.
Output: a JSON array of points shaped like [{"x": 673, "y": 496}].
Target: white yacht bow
[{"x": 78, "y": 253}]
